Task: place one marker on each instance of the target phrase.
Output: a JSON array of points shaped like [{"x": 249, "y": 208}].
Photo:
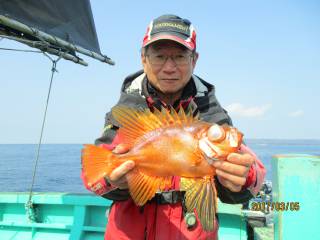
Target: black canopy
[{"x": 70, "y": 20}]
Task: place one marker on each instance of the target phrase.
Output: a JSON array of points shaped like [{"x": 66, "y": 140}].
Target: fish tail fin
[
  {"x": 97, "y": 162},
  {"x": 201, "y": 196}
]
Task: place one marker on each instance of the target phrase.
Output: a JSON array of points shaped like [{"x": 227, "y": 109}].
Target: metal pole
[
  {"x": 51, "y": 39},
  {"x": 45, "y": 47},
  {"x": 64, "y": 55}
]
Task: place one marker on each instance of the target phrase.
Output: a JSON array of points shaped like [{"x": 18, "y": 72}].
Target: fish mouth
[{"x": 210, "y": 150}]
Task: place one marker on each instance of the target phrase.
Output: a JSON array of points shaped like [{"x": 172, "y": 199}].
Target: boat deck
[{"x": 63, "y": 216}]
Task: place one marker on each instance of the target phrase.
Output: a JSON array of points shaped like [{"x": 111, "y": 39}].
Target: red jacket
[{"x": 154, "y": 221}]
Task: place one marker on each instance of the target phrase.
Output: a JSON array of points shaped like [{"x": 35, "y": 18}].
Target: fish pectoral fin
[
  {"x": 197, "y": 158},
  {"x": 143, "y": 187},
  {"x": 201, "y": 195}
]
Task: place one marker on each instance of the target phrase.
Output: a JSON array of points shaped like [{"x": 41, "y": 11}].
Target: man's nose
[{"x": 169, "y": 65}]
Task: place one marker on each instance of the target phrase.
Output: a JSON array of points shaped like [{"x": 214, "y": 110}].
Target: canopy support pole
[{"x": 52, "y": 39}]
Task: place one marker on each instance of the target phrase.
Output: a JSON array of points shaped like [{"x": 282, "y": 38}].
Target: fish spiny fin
[
  {"x": 143, "y": 187},
  {"x": 161, "y": 116},
  {"x": 175, "y": 116},
  {"x": 189, "y": 114},
  {"x": 97, "y": 162},
  {"x": 136, "y": 123},
  {"x": 201, "y": 195},
  {"x": 171, "y": 116},
  {"x": 182, "y": 115},
  {"x": 131, "y": 129},
  {"x": 164, "y": 116}
]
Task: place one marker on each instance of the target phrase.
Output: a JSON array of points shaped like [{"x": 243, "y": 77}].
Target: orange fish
[{"x": 164, "y": 144}]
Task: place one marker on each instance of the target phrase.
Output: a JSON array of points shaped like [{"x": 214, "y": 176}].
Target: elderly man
[{"x": 169, "y": 57}]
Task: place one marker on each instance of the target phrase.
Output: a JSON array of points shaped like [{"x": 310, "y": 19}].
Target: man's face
[{"x": 168, "y": 65}]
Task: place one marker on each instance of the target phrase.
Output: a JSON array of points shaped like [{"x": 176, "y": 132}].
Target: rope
[
  {"x": 30, "y": 210},
  {"x": 29, "y": 205},
  {"x": 20, "y": 50},
  {"x": 42, "y": 44},
  {"x": 20, "y": 39}
]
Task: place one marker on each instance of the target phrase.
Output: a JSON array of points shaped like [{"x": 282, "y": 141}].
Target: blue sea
[{"x": 59, "y": 164}]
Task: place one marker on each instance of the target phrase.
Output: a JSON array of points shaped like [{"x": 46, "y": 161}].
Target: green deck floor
[{"x": 61, "y": 216}]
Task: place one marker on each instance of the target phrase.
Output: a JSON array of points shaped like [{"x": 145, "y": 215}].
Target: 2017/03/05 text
[{"x": 275, "y": 206}]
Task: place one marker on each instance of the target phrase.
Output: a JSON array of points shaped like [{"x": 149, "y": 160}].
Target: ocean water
[{"x": 59, "y": 164}]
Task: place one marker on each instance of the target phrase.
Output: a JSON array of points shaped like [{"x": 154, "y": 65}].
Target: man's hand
[
  {"x": 233, "y": 172},
  {"x": 117, "y": 177}
]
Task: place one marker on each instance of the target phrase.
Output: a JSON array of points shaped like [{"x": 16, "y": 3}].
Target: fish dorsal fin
[
  {"x": 143, "y": 187},
  {"x": 201, "y": 195},
  {"x": 137, "y": 122}
]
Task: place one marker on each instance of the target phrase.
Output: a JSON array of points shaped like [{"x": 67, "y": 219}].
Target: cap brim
[{"x": 177, "y": 39}]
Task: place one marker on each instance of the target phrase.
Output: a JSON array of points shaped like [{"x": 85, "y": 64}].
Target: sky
[{"x": 262, "y": 56}]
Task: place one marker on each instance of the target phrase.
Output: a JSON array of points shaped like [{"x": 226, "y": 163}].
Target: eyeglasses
[{"x": 160, "y": 59}]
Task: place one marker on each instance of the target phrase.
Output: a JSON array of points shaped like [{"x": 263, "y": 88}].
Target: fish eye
[{"x": 216, "y": 133}]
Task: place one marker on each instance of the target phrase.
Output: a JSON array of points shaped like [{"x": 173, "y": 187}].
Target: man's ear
[
  {"x": 143, "y": 57},
  {"x": 143, "y": 60},
  {"x": 195, "y": 59}
]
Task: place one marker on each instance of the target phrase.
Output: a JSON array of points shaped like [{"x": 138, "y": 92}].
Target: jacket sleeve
[
  {"x": 252, "y": 186},
  {"x": 256, "y": 173},
  {"x": 102, "y": 187}
]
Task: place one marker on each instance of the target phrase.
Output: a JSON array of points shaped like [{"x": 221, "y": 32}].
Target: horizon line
[{"x": 247, "y": 139}]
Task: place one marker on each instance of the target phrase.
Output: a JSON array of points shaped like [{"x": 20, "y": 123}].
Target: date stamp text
[{"x": 275, "y": 206}]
